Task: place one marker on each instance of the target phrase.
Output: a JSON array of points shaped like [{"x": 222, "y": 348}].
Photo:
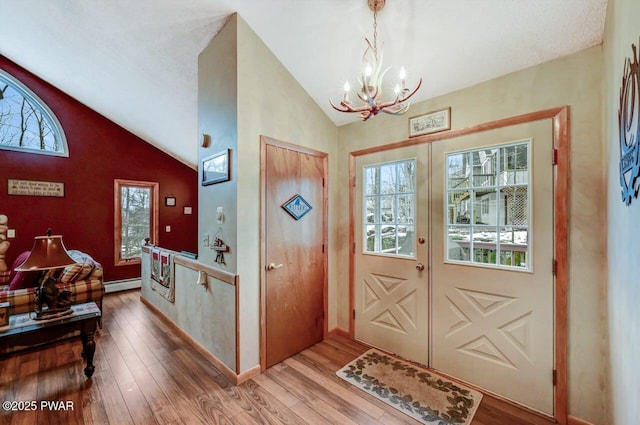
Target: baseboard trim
[
  {"x": 572, "y": 420},
  {"x": 338, "y": 332},
  {"x": 236, "y": 379},
  {"x": 122, "y": 285}
]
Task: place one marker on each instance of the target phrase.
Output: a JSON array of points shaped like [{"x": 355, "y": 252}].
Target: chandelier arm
[
  {"x": 346, "y": 108},
  {"x": 391, "y": 111},
  {"x": 413, "y": 92}
]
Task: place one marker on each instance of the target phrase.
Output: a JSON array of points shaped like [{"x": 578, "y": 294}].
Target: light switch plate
[{"x": 11, "y": 233}]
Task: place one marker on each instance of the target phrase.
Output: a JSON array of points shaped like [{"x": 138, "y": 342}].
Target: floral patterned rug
[{"x": 417, "y": 392}]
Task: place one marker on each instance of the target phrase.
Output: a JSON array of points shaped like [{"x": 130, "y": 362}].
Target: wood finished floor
[{"x": 147, "y": 375}]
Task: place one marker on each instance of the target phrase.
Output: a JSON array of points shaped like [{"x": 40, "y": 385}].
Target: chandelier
[{"x": 371, "y": 78}]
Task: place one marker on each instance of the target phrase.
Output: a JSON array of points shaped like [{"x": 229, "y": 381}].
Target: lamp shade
[{"x": 48, "y": 252}]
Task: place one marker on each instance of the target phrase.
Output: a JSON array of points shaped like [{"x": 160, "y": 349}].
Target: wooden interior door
[
  {"x": 391, "y": 293},
  {"x": 493, "y": 252},
  {"x": 294, "y": 257}
]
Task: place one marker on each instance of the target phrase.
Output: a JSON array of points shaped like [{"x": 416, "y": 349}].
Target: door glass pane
[
  {"x": 514, "y": 204},
  {"x": 488, "y": 195},
  {"x": 459, "y": 205},
  {"x": 371, "y": 181},
  {"x": 458, "y": 243},
  {"x": 389, "y": 208},
  {"x": 372, "y": 209},
  {"x": 388, "y": 178}
]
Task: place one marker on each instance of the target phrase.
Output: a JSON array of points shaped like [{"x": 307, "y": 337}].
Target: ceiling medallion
[{"x": 371, "y": 78}]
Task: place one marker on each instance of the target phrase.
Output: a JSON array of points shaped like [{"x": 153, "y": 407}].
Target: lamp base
[{"x": 51, "y": 313}]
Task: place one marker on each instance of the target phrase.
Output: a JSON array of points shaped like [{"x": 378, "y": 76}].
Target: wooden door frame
[
  {"x": 269, "y": 141},
  {"x": 561, "y": 140}
]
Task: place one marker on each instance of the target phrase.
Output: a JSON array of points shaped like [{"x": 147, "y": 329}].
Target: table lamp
[{"x": 48, "y": 252}]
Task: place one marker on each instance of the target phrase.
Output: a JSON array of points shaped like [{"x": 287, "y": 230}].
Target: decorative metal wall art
[{"x": 629, "y": 128}]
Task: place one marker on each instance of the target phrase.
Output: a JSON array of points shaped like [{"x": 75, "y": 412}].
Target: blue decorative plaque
[{"x": 297, "y": 207}]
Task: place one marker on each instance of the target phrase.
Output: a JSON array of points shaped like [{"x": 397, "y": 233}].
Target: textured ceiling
[{"x": 135, "y": 61}]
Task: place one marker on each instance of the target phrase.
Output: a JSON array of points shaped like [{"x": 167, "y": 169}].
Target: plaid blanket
[{"x": 162, "y": 273}]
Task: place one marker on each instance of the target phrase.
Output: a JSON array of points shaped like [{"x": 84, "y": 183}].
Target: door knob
[
  {"x": 273, "y": 266},
  {"x": 419, "y": 267}
]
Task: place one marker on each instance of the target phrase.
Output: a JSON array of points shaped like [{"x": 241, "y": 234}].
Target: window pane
[
  {"x": 136, "y": 222},
  {"x": 514, "y": 204},
  {"x": 406, "y": 177},
  {"x": 26, "y": 122},
  {"x": 484, "y": 208},
  {"x": 458, "y": 171},
  {"x": 458, "y": 243},
  {"x": 496, "y": 200},
  {"x": 389, "y": 208},
  {"x": 371, "y": 181},
  {"x": 388, "y": 178},
  {"x": 405, "y": 209},
  {"x": 371, "y": 238},
  {"x": 484, "y": 168},
  {"x": 459, "y": 207},
  {"x": 406, "y": 240},
  {"x": 372, "y": 209},
  {"x": 485, "y": 245}
]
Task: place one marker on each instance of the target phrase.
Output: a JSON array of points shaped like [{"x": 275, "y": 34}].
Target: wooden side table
[{"x": 24, "y": 331}]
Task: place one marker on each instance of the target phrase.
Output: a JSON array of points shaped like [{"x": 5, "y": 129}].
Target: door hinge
[
  {"x": 323, "y": 248},
  {"x": 354, "y": 314},
  {"x": 555, "y": 266},
  {"x": 354, "y": 248},
  {"x": 323, "y": 182},
  {"x": 353, "y": 183},
  {"x": 555, "y": 377},
  {"x": 554, "y": 158}
]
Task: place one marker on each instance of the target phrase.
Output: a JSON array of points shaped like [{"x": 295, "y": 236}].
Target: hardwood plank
[{"x": 146, "y": 375}]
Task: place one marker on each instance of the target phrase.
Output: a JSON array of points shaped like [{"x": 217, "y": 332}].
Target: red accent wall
[{"x": 99, "y": 152}]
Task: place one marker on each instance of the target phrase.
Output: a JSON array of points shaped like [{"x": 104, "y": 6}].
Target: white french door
[
  {"x": 482, "y": 309},
  {"x": 392, "y": 214},
  {"x": 493, "y": 285}
]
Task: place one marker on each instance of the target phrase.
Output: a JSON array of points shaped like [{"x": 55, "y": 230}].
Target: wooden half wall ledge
[
  {"x": 236, "y": 379},
  {"x": 221, "y": 275}
]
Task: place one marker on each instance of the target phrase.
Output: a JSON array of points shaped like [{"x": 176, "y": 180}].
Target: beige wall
[
  {"x": 573, "y": 81},
  {"x": 623, "y": 223},
  {"x": 217, "y": 117},
  {"x": 253, "y": 94}
]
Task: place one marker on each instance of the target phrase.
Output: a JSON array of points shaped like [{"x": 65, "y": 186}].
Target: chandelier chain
[{"x": 375, "y": 31}]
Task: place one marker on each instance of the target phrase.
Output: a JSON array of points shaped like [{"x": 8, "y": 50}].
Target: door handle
[
  {"x": 419, "y": 267},
  {"x": 273, "y": 266}
]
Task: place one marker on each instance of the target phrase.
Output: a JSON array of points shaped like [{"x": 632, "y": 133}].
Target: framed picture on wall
[
  {"x": 215, "y": 168},
  {"x": 431, "y": 122}
]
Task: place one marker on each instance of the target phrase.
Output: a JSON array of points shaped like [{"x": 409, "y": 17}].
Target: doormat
[{"x": 415, "y": 391}]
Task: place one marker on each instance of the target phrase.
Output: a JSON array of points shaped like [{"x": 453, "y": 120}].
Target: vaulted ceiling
[{"x": 135, "y": 61}]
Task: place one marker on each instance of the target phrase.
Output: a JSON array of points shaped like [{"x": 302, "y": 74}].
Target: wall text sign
[{"x": 35, "y": 188}]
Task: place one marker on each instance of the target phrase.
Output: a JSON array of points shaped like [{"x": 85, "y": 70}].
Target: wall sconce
[{"x": 206, "y": 140}]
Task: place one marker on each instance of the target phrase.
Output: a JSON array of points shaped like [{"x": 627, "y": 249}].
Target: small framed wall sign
[
  {"x": 215, "y": 168},
  {"x": 431, "y": 122},
  {"x": 35, "y": 188},
  {"x": 169, "y": 201}
]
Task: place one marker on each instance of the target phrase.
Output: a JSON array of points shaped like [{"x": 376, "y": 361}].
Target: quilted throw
[{"x": 162, "y": 273}]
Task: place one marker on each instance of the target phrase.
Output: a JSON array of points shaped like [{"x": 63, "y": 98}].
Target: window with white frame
[
  {"x": 488, "y": 206},
  {"x": 389, "y": 208},
  {"x": 26, "y": 122}
]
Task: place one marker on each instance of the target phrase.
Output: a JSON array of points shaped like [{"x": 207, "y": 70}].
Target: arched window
[{"x": 26, "y": 122}]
